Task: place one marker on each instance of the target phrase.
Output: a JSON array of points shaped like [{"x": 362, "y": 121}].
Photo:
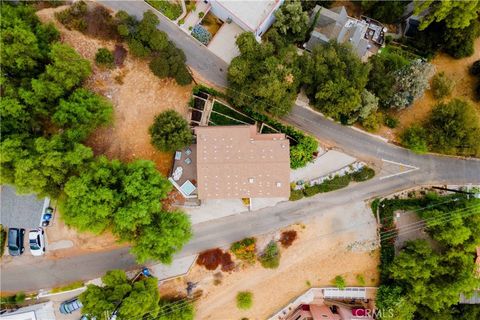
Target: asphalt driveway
[{"x": 20, "y": 211}]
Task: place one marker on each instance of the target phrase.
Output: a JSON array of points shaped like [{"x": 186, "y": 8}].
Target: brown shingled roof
[{"x": 237, "y": 162}]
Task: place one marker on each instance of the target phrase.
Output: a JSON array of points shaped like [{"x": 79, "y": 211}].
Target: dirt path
[
  {"x": 310, "y": 259},
  {"x": 137, "y": 96},
  {"x": 455, "y": 69}
]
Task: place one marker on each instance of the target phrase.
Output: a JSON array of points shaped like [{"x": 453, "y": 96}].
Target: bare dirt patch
[
  {"x": 137, "y": 96},
  {"x": 456, "y": 70}
]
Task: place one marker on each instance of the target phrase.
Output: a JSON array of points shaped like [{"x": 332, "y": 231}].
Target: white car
[{"x": 36, "y": 240}]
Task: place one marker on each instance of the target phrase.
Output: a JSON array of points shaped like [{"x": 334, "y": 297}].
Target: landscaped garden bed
[
  {"x": 222, "y": 115},
  {"x": 211, "y": 23},
  {"x": 171, "y": 10}
]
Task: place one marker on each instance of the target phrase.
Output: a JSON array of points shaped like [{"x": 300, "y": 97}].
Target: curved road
[{"x": 221, "y": 232}]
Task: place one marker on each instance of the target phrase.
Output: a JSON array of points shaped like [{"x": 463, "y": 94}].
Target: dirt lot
[
  {"x": 137, "y": 96},
  {"x": 310, "y": 258},
  {"x": 455, "y": 69}
]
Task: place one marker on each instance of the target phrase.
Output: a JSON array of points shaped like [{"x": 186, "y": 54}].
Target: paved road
[
  {"x": 207, "y": 64},
  {"x": 221, "y": 232}
]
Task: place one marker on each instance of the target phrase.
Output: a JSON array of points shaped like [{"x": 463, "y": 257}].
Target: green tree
[
  {"x": 169, "y": 310},
  {"x": 382, "y": 77},
  {"x": 244, "y": 300},
  {"x": 134, "y": 300},
  {"x": 337, "y": 80},
  {"x": 262, "y": 77},
  {"x": 160, "y": 67},
  {"x": 415, "y": 138},
  {"x": 384, "y": 11},
  {"x": 454, "y": 128},
  {"x": 459, "y": 43},
  {"x": 442, "y": 86},
  {"x": 456, "y": 14},
  {"x": 410, "y": 83},
  {"x": 291, "y": 21},
  {"x": 170, "y": 131},
  {"x": 339, "y": 282},
  {"x": 393, "y": 303},
  {"x": 369, "y": 104},
  {"x": 163, "y": 238},
  {"x": 42, "y": 165},
  {"x": 81, "y": 113}
]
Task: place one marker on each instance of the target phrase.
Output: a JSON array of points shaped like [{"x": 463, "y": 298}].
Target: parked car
[
  {"x": 70, "y": 306},
  {"x": 15, "y": 241},
  {"x": 36, "y": 239}
]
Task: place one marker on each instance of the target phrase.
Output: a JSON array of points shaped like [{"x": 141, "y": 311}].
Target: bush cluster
[
  {"x": 146, "y": 41},
  {"x": 104, "y": 57},
  {"x": 244, "y": 300},
  {"x": 245, "y": 249},
  {"x": 201, "y": 34},
  {"x": 442, "y": 86},
  {"x": 270, "y": 257}
]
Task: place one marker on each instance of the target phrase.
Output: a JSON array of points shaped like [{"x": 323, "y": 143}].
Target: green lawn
[{"x": 169, "y": 9}]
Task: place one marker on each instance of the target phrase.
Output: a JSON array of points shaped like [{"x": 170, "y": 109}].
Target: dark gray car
[{"x": 15, "y": 241}]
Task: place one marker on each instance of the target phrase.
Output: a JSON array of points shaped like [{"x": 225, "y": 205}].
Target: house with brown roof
[{"x": 233, "y": 162}]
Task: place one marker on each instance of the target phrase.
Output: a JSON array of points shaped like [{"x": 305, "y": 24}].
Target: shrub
[
  {"x": 390, "y": 121},
  {"x": 287, "y": 238},
  {"x": 159, "y": 67},
  {"x": 201, "y": 34},
  {"x": 373, "y": 121},
  {"x": 363, "y": 174},
  {"x": 339, "y": 282},
  {"x": 442, "y": 86},
  {"x": 210, "y": 259},
  {"x": 181, "y": 21},
  {"x": 183, "y": 77},
  {"x": 270, "y": 258},
  {"x": 415, "y": 139},
  {"x": 171, "y": 10},
  {"x": 361, "y": 280},
  {"x": 170, "y": 131},
  {"x": 104, "y": 57},
  {"x": 244, "y": 300},
  {"x": 201, "y": 14},
  {"x": 244, "y": 249},
  {"x": 475, "y": 68},
  {"x": 74, "y": 16},
  {"x": 226, "y": 262},
  {"x": 296, "y": 195}
]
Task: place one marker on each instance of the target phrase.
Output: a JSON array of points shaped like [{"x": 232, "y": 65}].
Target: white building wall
[
  {"x": 267, "y": 23},
  {"x": 223, "y": 14}
]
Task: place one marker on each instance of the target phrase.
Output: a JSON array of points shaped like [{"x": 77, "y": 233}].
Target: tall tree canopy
[
  {"x": 262, "y": 77},
  {"x": 170, "y": 131},
  {"x": 291, "y": 21},
  {"x": 134, "y": 300},
  {"x": 126, "y": 199},
  {"x": 427, "y": 277},
  {"x": 454, "y": 128},
  {"x": 337, "y": 80},
  {"x": 456, "y": 14}
]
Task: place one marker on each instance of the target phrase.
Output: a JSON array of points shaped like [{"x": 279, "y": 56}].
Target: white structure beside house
[{"x": 253, "y": 16}]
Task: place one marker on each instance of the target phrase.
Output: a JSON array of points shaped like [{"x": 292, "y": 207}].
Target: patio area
[
  {"x": 184, "y": 172},
  {"x": 223, "y": 43}
]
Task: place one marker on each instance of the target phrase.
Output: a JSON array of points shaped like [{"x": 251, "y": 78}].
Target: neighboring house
[
  {"x": 233, "y": 162},
  {"x": 351, "y": 303},
  {"x": 253, "y": 16},
  {"x": 42, "y": 311},
  {"x": 366, "y": 36}
]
